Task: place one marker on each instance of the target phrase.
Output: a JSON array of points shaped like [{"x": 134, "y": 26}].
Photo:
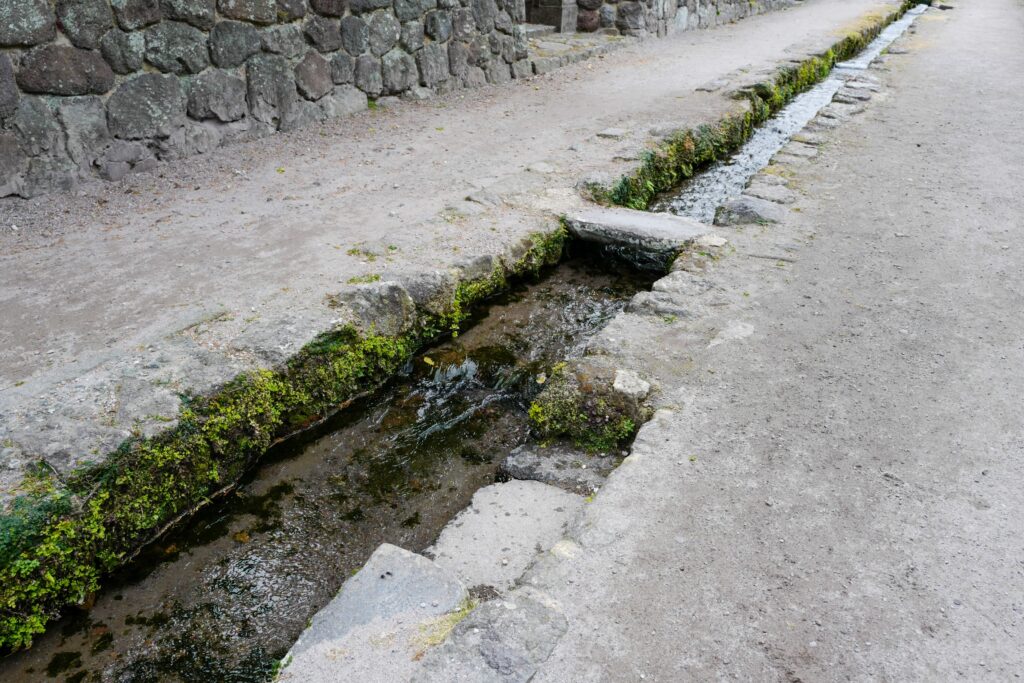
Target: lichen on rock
[{"x": 580, "y": 402}]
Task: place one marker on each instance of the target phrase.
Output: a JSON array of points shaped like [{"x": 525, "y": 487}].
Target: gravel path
[{"x": 838, "y": 488}]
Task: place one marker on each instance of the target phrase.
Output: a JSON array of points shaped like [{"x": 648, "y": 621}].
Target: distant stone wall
[
  {"x": 661, "y": 17},
  {"x": 107, "y": 87}
]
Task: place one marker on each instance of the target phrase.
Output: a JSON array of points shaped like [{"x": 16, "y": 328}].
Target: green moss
[
  {"x": 688, "y": 151},
  {"x": 363, "y": 279},
  {"x": 581, "y": 406},
  {"x": 61, "y": 536}
]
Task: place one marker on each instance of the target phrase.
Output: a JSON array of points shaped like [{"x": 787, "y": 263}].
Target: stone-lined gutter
[
  {"x": 688, "y": 151},
  {"x": 62, "y": 534}
]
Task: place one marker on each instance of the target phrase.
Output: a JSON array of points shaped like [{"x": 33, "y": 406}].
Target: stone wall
[
  {"x": 661, "y": 17},
  {"x": 107, "y": 87},
  {"x": 104, "y": 88}
]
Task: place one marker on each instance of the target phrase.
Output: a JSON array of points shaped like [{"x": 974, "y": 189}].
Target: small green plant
[
  {"x": 362, "y": 253},
  {"x": 363, "y": 279}
]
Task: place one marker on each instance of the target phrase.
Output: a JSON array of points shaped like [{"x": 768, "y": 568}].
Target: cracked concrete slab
[
  {"x": 382, "y": 618},
  {"x": 491, "y": 542}
]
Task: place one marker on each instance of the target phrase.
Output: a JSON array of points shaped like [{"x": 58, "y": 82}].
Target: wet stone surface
[
  {"x": 225, "y": 598},
  {"x": 700, "y": 197}
]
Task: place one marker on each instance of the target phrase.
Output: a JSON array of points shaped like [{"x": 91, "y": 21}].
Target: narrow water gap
[
  {"x": 700, "y": 196},
  {"x": 225, "y": 597}
]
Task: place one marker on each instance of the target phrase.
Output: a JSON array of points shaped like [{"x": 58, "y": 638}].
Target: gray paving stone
[
  {"x": 491, "y": 542},
  {"x": 657, "y": 232},
  {"x": 503, "y": 640},
  {"x": 559, "y": 466},
  {"x": 380, "y": 620}
]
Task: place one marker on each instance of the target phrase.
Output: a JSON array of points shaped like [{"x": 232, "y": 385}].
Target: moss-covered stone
[
  {"x": 579, "y": 403},
  {"x": 62, "y": 535}
]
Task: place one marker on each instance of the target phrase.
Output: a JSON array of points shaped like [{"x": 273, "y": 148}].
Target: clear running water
[
  {"x": 222, "y": 598},
  {"x": 701, "y": 196}
]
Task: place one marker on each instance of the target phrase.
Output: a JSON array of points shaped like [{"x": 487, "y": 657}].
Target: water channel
[
  {"x": 226, "y": 596},
  {"x": 700, "y": 196}
]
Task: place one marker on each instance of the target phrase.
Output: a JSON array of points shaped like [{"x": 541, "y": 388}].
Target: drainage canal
[
  {"x": 225, "y": 598},
  {"x": 701, "y": 195}
]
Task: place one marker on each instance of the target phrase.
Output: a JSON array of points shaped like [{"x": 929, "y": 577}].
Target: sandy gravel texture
[
  {"x": 835, "y": 487},
  {"x": 233, "y": 229}
]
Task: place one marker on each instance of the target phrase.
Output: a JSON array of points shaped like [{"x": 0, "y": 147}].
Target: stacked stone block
[
  {"x": 108, "y": 87},
  {"x": 661, "y": 17}
]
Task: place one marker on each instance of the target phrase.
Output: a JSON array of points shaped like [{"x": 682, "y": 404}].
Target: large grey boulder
[
  {"x": 64, "y": 70},
  {"x": 516, "y": 9},
  {"x": 176, "y": 47},
  {"x": 256, "y": 11},
  {"x": 363, "y": 6},
  {"x": 343, "y": 68},
  {"x": 284, "y": 39},
  {"x": 463, "y": 25},
  {"x": 122, "y": 157},
  {"x": 13, "y": 165},
  {"x": 37, "y": 127},
  {"x": 290, "y": 10},
  {"x": 270, "y": 89},
  {"x": 329, "y": 8},
  {"x": 233, "y": 42},
  {"x": 84, "y": 120},
  {"x": 199, "y": 13},
  {"x": 378, "y": 307},
  {"x": 559, "y": 466},
  {"x": 412, "y": 36},
  {"x": 355, "y": 35},
  {"x": 630, "y": 17},
  {"x": 384, "y": 32},
  {"x": 8, "y": 88},
  {"x": 438, "y": 25},
  {"x": 313, "y": 76},
  {"x": 147, "y": 106},
  {"x": 399, "y": 72},
  {"x": 123, "y": 51},
  {"x": 432, "y": 62},
  {"x": 85, "y": 21},
  {"x": 26, "y": 22},
  {"x": 323, "y": 33},
  {"x": 342, "y": 101},
  {"x": 216, "y": 94},
  {"x": 134, "y": 14},
  {"x": 380, "y": 623},
  {"x": 368, "y": 75},
  {"x": 408, "y": 10},
  {"x": 458, "y": 59},
  {"x": 484, "y": 12}
]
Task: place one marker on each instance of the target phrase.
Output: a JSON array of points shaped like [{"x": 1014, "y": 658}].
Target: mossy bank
[
  {"x": 62, "y": 534},
  {"x": 686, "y": 152}
]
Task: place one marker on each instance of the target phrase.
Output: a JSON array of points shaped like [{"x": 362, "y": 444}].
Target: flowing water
[
  {"x": 224, "y": 598},
  {"x": 700, "y": 196}
]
